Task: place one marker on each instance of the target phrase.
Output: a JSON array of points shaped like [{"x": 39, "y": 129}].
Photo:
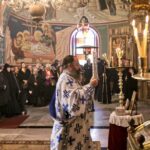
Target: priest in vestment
[{"x": 71, "y": 123}]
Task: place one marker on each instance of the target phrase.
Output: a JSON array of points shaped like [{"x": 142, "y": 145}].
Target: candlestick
[
  {"x": 94, "y": 66},
  {"x": 119, "y": 55},
  {"x": 120, "y": 83}
]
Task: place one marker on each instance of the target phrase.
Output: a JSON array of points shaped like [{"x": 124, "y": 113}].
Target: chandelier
[
  {"x": 37, "y": 11},
  {"x": 139, "y": 19}
]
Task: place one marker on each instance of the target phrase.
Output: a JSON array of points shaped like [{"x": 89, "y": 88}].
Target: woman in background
[{"x": 23, "y": 76}]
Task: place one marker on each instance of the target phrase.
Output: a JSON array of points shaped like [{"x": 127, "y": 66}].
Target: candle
[
  {"x": 145, "y": 36},
  {"x": 147, "y": 19},
  {"x": 94, "y": 66},
  {"x": 133, "y": 23},
  {"x": 137, "y": 40},
  {"x": 144, "y": 43}
]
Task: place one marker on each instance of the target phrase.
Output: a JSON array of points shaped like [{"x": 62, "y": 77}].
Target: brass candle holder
[
  {"x": 120, "y": 83},
  {"x": 119, "y": 53},
  {"x": 143, "y": 73},
  {"x": 141, "y": 41},
  {"x": 142, "y": 65}
]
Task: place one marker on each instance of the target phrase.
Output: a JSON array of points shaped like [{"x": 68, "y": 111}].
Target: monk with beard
[{"x": 71, "y": 123}]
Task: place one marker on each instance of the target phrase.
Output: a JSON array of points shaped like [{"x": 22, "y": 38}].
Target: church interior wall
[
  {"x": 61, "y": 33},
  {"x": 62, "y": 22}
]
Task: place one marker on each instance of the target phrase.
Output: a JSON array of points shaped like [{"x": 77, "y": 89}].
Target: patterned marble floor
[{"x": 38, "y": 125}]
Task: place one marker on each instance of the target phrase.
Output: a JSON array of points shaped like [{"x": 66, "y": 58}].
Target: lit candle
[
  {"x": 136, "y": 37},
  {"x": 145, "y": 36},
  {"x": 137, "y": 40},
  {"x": 147, "y": 19},
  {"x": 144, "y": 42},
  {"x": 133, "y": 23}
]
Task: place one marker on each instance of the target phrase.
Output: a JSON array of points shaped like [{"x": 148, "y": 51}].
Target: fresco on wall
[
  {"x": 37, "y": 45},
  {"x": 30, "y": 43},
  {"x": 27, "y": 42},
  {"x": 41, "y": 43}
]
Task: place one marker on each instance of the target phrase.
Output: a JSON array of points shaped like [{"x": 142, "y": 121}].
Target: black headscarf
[{"x": 6, "y": 66}]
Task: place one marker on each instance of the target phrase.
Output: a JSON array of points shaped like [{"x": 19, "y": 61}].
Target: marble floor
[{"x": 37, "y": 127}]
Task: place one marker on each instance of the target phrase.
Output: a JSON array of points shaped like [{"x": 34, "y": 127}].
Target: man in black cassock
[{"x": 103, "y": 91}]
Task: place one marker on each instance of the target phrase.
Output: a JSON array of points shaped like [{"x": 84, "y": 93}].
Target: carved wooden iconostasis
[{"x": 121, "y": 37}]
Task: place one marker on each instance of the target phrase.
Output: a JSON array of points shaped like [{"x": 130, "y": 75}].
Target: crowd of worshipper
[
  {"x": 35, "y": 84},
  {"x": 26, "y": 85}
]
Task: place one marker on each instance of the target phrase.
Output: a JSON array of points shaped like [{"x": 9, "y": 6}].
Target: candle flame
[
  {"x": 133, "y": 23},
  {"x": 145, "y": 32},
  {"x": 147, "y": 19}
]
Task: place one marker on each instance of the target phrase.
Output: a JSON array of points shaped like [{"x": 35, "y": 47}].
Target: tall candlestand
[
  {"x": 120, "y": 83},
  {"x": 120, "y": 110},
  {"x": 119, "y": 53}
]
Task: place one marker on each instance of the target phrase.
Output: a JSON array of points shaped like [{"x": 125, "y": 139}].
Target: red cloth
[
  {"x": 12, "y": 122},
  {"x": 117, "y": 137}
]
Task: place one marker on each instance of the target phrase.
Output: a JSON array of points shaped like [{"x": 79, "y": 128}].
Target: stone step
[{"x": 28, "y": 139}]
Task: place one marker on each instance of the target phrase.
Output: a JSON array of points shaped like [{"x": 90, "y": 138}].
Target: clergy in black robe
[
  {"x": 98, "y": 92},
  {"x": 13, "y": 107},
  {"x": 4, "y": 94},
  {"x": 103, "y": 91}
]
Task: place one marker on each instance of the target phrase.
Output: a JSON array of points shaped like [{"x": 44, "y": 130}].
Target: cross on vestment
[{"x": 78, "y": 128}]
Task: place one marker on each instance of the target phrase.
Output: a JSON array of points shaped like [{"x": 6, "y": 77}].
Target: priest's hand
[{"x": 94, "y": 82}]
